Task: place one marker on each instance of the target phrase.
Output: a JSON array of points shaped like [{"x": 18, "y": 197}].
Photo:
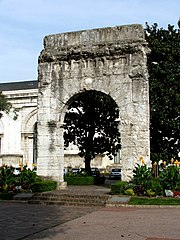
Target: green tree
[
  {"x": 164, "y": 69},
  {"x": 5, "y": 106},
  {"x": 91, "y": 124}
]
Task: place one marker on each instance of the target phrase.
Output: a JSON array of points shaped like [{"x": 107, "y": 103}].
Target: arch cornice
[{"x": 28, "y": 123}]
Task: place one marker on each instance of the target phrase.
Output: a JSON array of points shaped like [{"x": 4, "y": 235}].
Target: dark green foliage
[
  {"x": 142, "y": 184},
  {"x": 119, "y": 187},
  {"x": 170, "y": 177},
  {"x": 99, "y": 180},
  {"x": 154, "y": 201},
  {"x": 90, "y": 123},
  {"x": 142, "y": 179},
  {"x": 7, "y": 179},
  {"x": 44, "y": 186},
  {"x": 7, "y": 196},
  {"x": 177, "y": 188},
  {"x": 5, "y": 106},
  {"x": 79, "y": 180},
  {"x": 27, "y": 178},
  {"x": 156, "y": 186},
  {"x": 164, "y": 71},
  {"x": 12, "y": 183}
]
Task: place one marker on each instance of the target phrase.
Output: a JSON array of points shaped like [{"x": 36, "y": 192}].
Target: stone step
[
  {"x": 71, "y": 196},
  {"x": 68, "y": 203},
  {"x": 69, "y": 199}
]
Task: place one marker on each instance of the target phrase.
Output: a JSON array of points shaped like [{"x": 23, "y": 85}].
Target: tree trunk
[
  {"x": 88, "y": 163},
  {"x": 89, "y": 149}
]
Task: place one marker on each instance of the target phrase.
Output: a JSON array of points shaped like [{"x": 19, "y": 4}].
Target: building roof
[{"x": 19, "y": 85}]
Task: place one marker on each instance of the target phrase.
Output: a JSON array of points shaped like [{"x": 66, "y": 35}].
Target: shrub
[
  {"x": 177, "y": 188},
  {"x": 7, "y": 178},
  {"x": 169, "y": 177},
  {"x": 129, "y": 191},
  {"x": 139, "y": 190},
  {"x": 150, "y": 193},
  {"x": 142, "y": 176},
  {"x": 142, "y": 179},
  {"x": 118, "y": 187},
  {"x": 156, "y": 186},
  {"x": 6, "y": 196},
  {"x": 79, "y": 180},
  {"x": 99, "y": 180},
  {"x": 44, "y": 186},
  {"x": 26, "y": 178}
]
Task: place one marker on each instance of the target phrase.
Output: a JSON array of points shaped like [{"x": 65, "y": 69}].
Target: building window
[{"x": 117, "y": 158}]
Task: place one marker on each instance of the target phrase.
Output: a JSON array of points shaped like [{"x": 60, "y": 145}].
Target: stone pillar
[{"x": 50, "y": 161}]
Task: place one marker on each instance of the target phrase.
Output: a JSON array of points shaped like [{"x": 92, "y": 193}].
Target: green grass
[{"x": 154, "y": 201}]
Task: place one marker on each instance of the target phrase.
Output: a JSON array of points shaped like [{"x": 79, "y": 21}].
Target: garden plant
[
  {"x": 26, "y": 181},
  {"x": 145, "y": 182}
]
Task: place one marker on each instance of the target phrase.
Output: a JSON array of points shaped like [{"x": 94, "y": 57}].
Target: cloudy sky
[{"x": 24, "y": 23}]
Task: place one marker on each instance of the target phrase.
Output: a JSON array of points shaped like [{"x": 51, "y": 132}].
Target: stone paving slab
[
  {"x": 45, "y": 222},
  {"x": 118, "y": 223},
  {"x": 18, "y": 220},
  {"x": 119, "y": 199},
  {"x": 23, "y": 196},
  {"x": 42, "y": 222},
  {"x": 88, "y": 190}
]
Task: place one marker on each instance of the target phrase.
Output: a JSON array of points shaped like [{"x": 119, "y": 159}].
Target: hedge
[
  {"x": 44, "y": 186},
  {"x": 118, "y": 187},
  {"x": 79, "y": 180},
  {"x": 6, "y": 196},
  {"x": 99, "y": 180}
]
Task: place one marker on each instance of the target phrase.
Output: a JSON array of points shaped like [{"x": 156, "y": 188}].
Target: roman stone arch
[{"x": 110, "y": 60}]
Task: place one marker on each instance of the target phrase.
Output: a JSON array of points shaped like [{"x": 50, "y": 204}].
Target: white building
[{"x": 18, "y": 138}]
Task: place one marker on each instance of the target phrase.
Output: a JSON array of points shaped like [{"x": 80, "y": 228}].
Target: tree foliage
[
  {"x": 90, "y": 123},
  {"x": 164, "y": 71},
  {"x": 5, "y": 106}
]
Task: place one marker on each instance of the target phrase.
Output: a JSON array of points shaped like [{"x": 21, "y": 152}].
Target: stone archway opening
[
  {"x": 91, "y": 123},
  {"x": 109, "y": 60}
]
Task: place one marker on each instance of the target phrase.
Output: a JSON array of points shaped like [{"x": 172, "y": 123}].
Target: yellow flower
[
  {"x": 164, "y": 162},
  {"x": 172, "y": 160},
  {"x": 176, "y": 162},
  {"x": 142, "y": 160}
]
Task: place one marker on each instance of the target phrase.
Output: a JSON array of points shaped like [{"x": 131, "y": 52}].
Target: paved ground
[
  {"x": 19, "y": 220},
  {"x": 32, "y": 222}
]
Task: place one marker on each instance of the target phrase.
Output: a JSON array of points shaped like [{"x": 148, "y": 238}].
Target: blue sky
[{"x": 24, "y": 23}]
